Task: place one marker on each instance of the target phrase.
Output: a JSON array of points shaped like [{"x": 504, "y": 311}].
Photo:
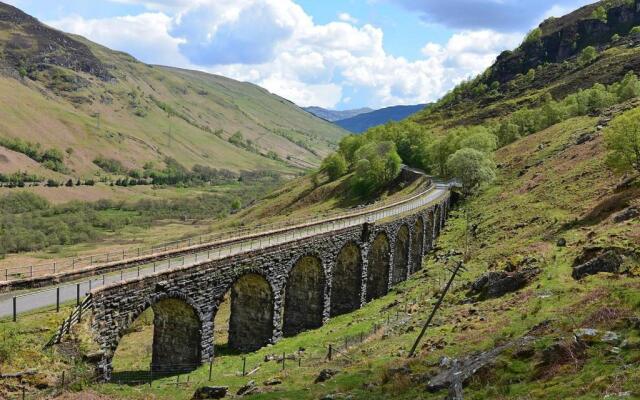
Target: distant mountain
[
  {"x": 362, "y": 122},
  {"x": 332, "y": 115}
]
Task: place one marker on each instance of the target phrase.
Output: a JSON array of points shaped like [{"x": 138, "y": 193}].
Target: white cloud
[
  {"x": 346, "y": 17},
  {"x": 275, "y": 44},
  {"x": 145, "y": 36}
]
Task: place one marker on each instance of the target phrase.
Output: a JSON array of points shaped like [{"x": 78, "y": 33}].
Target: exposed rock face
[
  {"x": 498, "y": 283},
  {"x": 35, "y": 46},
  {"x": 609, "y": 261},
  {"x": 565, "y": 37}
]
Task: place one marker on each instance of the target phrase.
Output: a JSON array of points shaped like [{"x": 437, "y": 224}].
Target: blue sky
[{"x": 332, "y": 53}]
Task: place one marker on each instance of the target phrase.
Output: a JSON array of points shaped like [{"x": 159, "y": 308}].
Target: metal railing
[
  {"x": 235, "y": 234},
  {"x": 47, "y": 298}
]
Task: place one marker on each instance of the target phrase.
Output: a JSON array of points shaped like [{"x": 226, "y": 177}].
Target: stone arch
[
  {"x": 417, "y": 245},
  {"x": 304, "y": 296},
  {"x": 177, "y": 333},
  {"x": 401, "y": 255},
  {"x": 251, "y": 319},
  {"x": 378, "y": 268},
  {"x": 346, "y": 283}
]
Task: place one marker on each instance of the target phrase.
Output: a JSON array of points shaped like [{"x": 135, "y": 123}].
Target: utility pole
[{"x": 435, "y": 309}]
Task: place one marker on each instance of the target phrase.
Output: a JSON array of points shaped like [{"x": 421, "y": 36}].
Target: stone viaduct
[{"x": 275, "y": 292}]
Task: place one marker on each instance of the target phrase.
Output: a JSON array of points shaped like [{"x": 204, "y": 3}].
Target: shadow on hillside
[
  {"x": 608, "y": 206},
  {"x": 137, "y": 378}
]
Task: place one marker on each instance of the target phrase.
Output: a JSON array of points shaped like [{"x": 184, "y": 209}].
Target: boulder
[
  {"x": 273, "y": 382},
  {"x": 210, "y": 392},
  {"x": 325, "y": 375},
  {"x": 247, "y": 389},
  {"x": 627, "y": 214},
  {"x": 609, "y": 261},
  {"x": 498, "y": 283}
]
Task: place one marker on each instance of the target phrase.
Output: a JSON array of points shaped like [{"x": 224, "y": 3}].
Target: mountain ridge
[
  {"x": 336, "y": 115},
  {"x": 362, "y": 122},
  {"x": 70, "y": 93}
]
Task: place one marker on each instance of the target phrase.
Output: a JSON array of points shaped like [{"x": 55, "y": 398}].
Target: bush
[
  {"x": 635, "y": 30},
  {"x": 335, "y": 166},
  {"x": 600, "y": 13},
  {"x": 110, "y": 165},
  {"x": 533, "y": 36},
  {"x": 622, "y": 138},
  {"x": 20, "y": 202},
  {"x": 52, "y": 159},
  {"x": 587, "y": 55}
]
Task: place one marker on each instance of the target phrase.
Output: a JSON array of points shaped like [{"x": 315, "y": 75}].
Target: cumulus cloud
[
  {"x": 500, "y": 15},
  {"x": 145, "y": 36},
  {"x": 275, "y": 44},
  {"x": 346, "y": 17}
]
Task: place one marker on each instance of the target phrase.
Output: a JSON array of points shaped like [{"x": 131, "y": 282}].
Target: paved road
[{"x": 37, "y": 299}]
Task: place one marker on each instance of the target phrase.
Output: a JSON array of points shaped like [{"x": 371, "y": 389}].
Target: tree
[
  {"x": 481, "y": 141},
  {"x": 378, "y": 164},
  {"x": 622, "y": 138},
  {"x": 472, "y": 167},
  {"x": 335, "y": 166},
  {"x": 587, "y": 55}
]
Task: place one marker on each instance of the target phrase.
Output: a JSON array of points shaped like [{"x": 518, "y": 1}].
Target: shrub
[
  {"x": 600, "y": 13},
  {"x": 20, "y": 202},
  {"x": 335, "y": 166},
  {"x": 587, "y": 55},
  {"x": 622, "y": 138},
  {"x": 110, "y": 165},
  {"x": 533, "y": 36},
  {"x": 635, "y": 30}
]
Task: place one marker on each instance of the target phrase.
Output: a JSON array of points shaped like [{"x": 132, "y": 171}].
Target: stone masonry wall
[{"x": 203, "y": 287}]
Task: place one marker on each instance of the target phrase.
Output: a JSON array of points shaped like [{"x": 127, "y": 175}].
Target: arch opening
[
  {"x": 243, "y": 320},
  {"x": 379, "y": 264},
  {"x": 401, "y": 255},
  {"x": 304, "y": 296},
  {"x": 417, "y": 245},
  {"x": 164, "y": 339},
  {"x": 346, "y": 283}
]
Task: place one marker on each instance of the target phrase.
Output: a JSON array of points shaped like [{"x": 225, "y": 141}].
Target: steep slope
[
  {"x": 65, "y": 92},
  {"x": 334, "y": 115},
  {"x": 548, "y": 62},
  {"x": 362, "y": 122}
]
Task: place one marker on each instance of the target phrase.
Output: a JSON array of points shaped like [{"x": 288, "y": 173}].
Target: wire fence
[
  {"x": 236, "y": 234},
  {"x": 335, "y": 352}
]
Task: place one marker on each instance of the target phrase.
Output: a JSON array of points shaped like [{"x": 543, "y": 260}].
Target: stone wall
[{"x": 295, "y": 280}]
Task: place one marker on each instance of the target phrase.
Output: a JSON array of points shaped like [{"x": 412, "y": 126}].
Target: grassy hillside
[
  {"x": 555, "y": 204},
  {"x": 61, "y": 91}
]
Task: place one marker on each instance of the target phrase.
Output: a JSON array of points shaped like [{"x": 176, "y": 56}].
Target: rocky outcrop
[
  {"x": 609, "y": 261},
  {"x": 498, "y": 283},
  {"x": 35, "y": 46},
  {"x": 565, "y": 37},
  {"x": 210, "y": 392}
]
